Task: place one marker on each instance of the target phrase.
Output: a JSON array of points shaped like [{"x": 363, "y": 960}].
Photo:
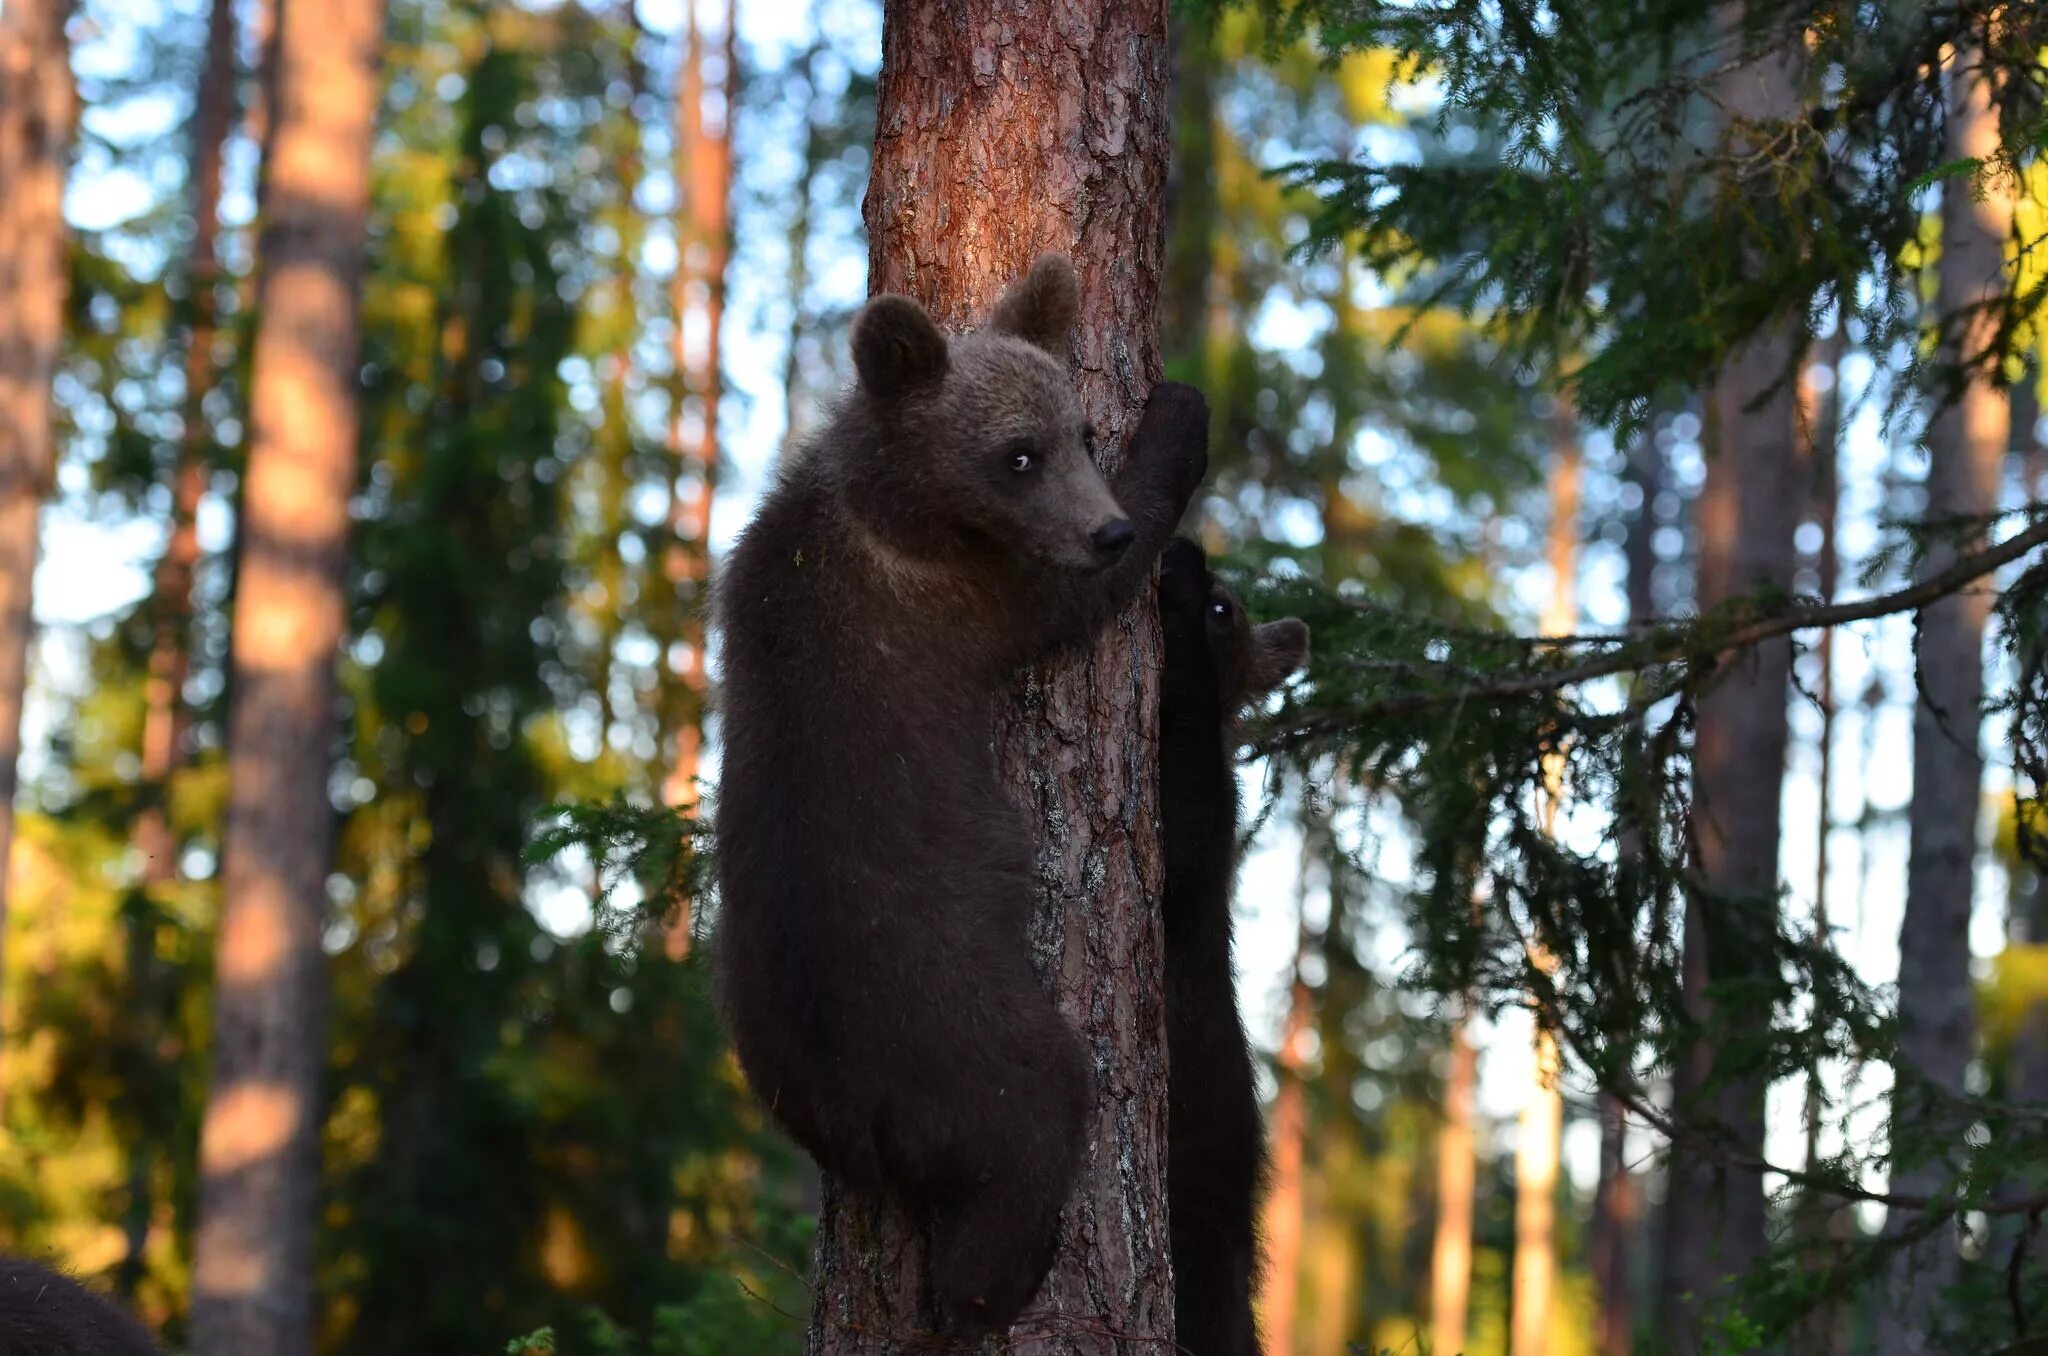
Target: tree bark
[
  {"x": 1285, "y": 1209},
  {"x": 259, "y": 1143},
  {"x": 1611, "y": 1243},
  {"x": 38, "y": 109},
  {"x": 1450, "y": 1268},
  {"x": 1005, "y": 129},
  {"x": 165, "y": 715},
  {"x": 704, "y": 246},
  {"x": 1539, "y": 1143},
  {"x": 1966, "y": 446},
  {"x": 1749, "y": 511}
]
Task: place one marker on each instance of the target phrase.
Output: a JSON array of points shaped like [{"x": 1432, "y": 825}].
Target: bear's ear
[
  {"x": 896, "y": 347},
  {"x": 1041, "y": 306},
  {"x": 1278, "y": 649}
]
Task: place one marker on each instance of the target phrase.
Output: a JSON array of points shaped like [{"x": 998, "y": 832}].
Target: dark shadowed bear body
[
  {"x": 45, "y": 1313},
  {"x": 873, "y": 959},
  {"x": 1216, "y": 663}
]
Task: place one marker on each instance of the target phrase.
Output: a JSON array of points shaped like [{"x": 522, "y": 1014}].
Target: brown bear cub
[
  {"x": 873, "y": 961},
  {"x": 46, "y": 1313},
  {"x": 1217, "y": 663}
]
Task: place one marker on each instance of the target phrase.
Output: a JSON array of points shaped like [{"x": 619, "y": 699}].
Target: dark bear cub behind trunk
[
  {"x": 1216, "y": 663},
  {"x": 46, "y": 1313},
  {"x": 873, "y": 954}
]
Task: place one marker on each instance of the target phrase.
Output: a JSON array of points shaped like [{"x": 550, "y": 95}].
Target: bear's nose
[{"x": 1113, "y": 536}]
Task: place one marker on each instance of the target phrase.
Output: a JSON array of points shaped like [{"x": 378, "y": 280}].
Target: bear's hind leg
[{"x": 991, "y": 1186}]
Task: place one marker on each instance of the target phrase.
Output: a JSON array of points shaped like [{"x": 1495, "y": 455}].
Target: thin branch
[{"x": 1688, "y": 644}]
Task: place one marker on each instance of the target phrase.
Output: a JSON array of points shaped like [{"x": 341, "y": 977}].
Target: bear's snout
[{"x": 1112, "y": 539}]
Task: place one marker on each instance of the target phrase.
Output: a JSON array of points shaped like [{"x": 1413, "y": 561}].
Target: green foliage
[{"x": 1613, "y": 202}]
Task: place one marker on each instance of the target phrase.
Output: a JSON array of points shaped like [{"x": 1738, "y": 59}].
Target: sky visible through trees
[{"x": 1385, "y": 436}]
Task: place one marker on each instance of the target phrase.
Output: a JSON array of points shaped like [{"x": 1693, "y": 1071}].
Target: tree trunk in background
[
  {"x": 260, "y": 1142},
  {"x": 1191, "y": 195},
  {"x": 38, "y": 107},
  {"x": 1966, "y": 448},
  {"x": 704, "y": 169},
  {"x": 1539, "y": 1142},
  {"x": 1826, "y": 1330},
  {"x": 1048, "y": 134},
  {"x": 1617, "y": 1200},
  {"x": 1610, "y": 1245},
  {"x": 1283, "y": 1212},
  {"x": 1756, "y": 487},
  {"x": 165, "y": 716},
  {"x": 1450, "y": 1268},
  {"x": 2028, "y": 1072},
  {"x": 798, "y": 282}
]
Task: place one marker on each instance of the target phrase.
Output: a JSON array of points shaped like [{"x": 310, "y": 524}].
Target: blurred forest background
[{"x": 612, "y": 249}]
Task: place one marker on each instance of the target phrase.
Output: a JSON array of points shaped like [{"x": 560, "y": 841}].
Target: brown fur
[
  {"x": 876, "y": 886},
  {"x": 46, "y": 1313},
  {"x": 1217, "y": 663}
]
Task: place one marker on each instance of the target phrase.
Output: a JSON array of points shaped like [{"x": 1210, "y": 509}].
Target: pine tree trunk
[
  {"x": 1966, "y": 446},
  {"x": 165, "y": 716},
  {"x": 1611, "y": 1243},
  {"x": 704, "y": 170},
  {"x": 1192, "y": 200},
  {"x": 1450, "y": 1268},
  {"x": 1284, "y": 1210},
  {"x": 798, "y": 281},
  {"x": 1756, "y": 486},
  {"x": 38, "y": 106},
  {"x": 1539, "y": 1142},
  {"x": 259, "y": 1145},
  {"x": 1004, "y": 130}
]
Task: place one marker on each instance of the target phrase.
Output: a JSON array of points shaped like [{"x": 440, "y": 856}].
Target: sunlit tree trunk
[
  {"x": 165, "y": 715},
  {"x": 1825, "y": 1331},
  {"x": 1966, "y": 447},
  {"x": 38, "y": 105},
  {"x": 259, "y": 1144},
  {"x": 1756, "y": 487},
  {"x": 997, "y": 139},
  {"x": 1610, "y": 1246},
  {"x": 1540, "y": 1138},
  {"x": 1284, "y": 1210},
  {"x": 798, "y": 279},
  {"x": 704, "y": 167},
  {"x": 1450, "y": 1273},
  {"x": 1617, "y": 1201}
]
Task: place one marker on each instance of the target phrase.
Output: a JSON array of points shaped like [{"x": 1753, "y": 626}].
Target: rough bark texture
[
  {"x": 1540, "y": 1140},
  {"x": 38, "y": 106},
  {"x": 1756, "y": 486},
  {"x": 259, "y": 1145},
  {"x": 1966, "y": 446},
  {"x": 1005, "y": 128},
  {"x": 704, "y": 167},
  {"x": 1450, "y": 1267}
]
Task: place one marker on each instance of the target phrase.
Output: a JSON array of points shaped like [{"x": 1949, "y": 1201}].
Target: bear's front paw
[{"x": 1176, "y": 428}]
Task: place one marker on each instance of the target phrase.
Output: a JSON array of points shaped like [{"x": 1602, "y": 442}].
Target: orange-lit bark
[
  {"x": 259, "y": 1145},
  {"x": 1540, "y": 1137},
  {"x": 997, "y": 140},
  {"x": 1287, "y": 1132},
  {"x": 1756, "y": 487},
  {"x": 703, "y": 173},
  {"x": 1450, "y": 1267},
  {"x": 38, "y": 106}
]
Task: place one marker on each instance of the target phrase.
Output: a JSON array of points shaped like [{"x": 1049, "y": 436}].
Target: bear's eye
[
  {"x": 1219, "y": 609},
  {"x": 1019, "y": 457}
]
